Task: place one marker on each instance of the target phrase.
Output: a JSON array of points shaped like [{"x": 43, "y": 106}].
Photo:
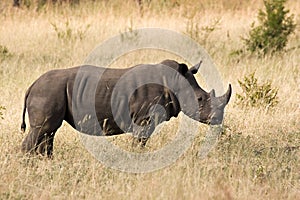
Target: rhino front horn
[
  {"x": 226, "y": 97},
  {"x": 195, "y": 68}
]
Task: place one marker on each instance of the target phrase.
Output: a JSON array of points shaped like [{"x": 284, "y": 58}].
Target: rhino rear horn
[
  {"x": 195, "y": 68},
  {"x": 212, "y": 93},
  {"x": 226, "y": 97}
]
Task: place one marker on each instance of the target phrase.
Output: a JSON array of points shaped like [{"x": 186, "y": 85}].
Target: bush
[
  {"x": 272, "y": 33},
  {"x": 255, "y": 95}
]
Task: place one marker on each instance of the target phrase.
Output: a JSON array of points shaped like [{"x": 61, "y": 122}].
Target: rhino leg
[
  {"x": 38, "y": 141},
  {"x": 29, "y": 144},
  {"x": 45, "y": 144},
  {"x": 41, "y": 133},
  {"x": 139, "y": 142},
  {"x": 142, "y": 132}
]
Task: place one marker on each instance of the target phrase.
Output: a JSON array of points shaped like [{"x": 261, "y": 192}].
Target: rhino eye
[{"x": 200, "y": 99}]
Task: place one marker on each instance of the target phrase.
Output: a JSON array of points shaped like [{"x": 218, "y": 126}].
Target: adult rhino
[{"x": 106, "y": 101}]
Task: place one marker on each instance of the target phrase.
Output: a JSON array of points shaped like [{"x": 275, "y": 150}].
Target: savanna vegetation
[{"x": 258, "y": 153}]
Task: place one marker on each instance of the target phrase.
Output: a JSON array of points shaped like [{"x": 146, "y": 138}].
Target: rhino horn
[
  {"x": 195, "y": 68},
  {"x": 212, "y": 93},
  {"x": 226, "y": 97}
]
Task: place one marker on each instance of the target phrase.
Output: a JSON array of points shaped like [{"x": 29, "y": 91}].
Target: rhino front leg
[
  {"x": 142, "y": 132},
  {"x": 139, "y": 141}
]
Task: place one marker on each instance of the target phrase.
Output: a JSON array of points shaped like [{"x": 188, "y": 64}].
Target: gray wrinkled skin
[{"x": 135, "y": 99}]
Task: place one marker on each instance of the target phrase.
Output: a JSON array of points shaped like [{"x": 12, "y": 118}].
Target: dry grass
[{"x": 257, "y": 157}]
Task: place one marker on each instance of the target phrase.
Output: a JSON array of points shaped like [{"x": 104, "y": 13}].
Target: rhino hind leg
[
  {"x": 34, "y": 143},
  {"x": 45, "y": 144},
  {"x": 30, "y": 141},
  {"x": 38, "y": 142}
]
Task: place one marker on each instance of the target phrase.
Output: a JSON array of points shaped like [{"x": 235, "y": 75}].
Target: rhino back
[{"x": 103, "y": 101}]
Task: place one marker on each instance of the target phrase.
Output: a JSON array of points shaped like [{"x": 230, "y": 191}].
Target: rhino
[{"x": 109, "y": 101}]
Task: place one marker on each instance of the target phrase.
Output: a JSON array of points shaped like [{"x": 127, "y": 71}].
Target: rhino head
[{"x": 211, "y": 107}]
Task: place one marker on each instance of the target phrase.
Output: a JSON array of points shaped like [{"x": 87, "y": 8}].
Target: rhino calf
[{"x": 101, "y": 101}]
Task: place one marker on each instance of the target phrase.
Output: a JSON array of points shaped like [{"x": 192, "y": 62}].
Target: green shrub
[
  {"x": 255, "y": 95},
  {"x": 272, "y": 33}
]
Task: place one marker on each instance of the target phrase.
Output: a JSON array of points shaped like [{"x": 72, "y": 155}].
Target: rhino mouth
[
  {"x": 215, "y": 121},
  {"x": 212, "y": 121},
  {"x": 205, "y": 121}
]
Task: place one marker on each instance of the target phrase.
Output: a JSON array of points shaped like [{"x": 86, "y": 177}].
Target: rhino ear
[
  {"x": 183, "y": 69},
  {"x": 212, "y": 93},
  {"x": 195, "y": 68}
]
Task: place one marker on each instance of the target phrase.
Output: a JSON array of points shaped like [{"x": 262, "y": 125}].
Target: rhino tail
[{"x": 23, "y": 125}]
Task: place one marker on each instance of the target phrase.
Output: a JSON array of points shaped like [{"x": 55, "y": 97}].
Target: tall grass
[{"x": 257, "y": 156}]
